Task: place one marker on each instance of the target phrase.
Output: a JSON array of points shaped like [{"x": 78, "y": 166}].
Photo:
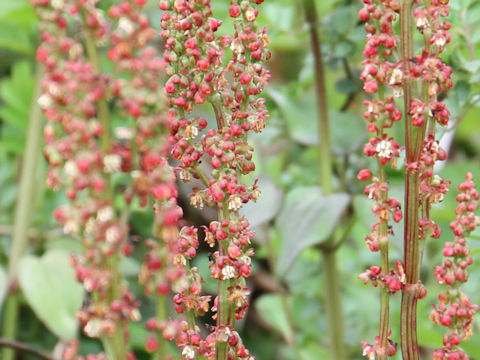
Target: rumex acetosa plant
[
  {"x": 87, "y": 154},
  {"x": 394, "y": 74},
  {"x": 109, "y": 138},
  {"x": 199, "y": 72}
]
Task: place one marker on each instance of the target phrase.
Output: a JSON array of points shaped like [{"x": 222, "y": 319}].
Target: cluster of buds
[
  {"x": 86, "y": 154},
  {"x": 454, "y": 310},
  {"x": 392, "y": 282},
  {"x": 383, "y": 80},
  {"x": 429, "y": 69},
  {"x": 199, "y": 73},
  {"x": 389, "y": 350}
]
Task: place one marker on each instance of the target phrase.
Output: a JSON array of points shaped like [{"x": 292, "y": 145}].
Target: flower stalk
[
  {"x": 412, "y": 261},
  {"x": 333, "y": 298}
]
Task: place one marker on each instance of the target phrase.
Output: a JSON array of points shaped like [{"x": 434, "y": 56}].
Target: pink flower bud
[
  {"x": 235, "y": 11},
  {"x": 370, "y": 87},
  {"x": 364, "y": 174},
  {"x": 151, "y": 344}
]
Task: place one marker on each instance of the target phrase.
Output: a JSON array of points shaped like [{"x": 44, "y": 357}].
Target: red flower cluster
[
  {"x": 381, "y": 77},
  {"x": 198, "y": 73},
  {"x": 85, "y": 154},
  {"x": 389, "y": 80},
  {"x": 454, "y": 311}
]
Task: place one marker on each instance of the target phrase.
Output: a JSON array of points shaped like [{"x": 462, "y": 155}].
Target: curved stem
[{"x": 26, "y": 348}]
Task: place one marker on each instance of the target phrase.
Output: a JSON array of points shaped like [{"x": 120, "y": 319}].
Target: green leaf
[
  {"x": 270, "y": 308},
  {"x": 300, "y": 116},
  {"x": 347, "y": 131},
  {"x": 15, "y": 37},
  {"x": 16, "y": 95},
  {"x": 8, "y": 195},
  {"x": 307, "y": 218},
  {"x": 347, "y": 86},
  {"x": 49, "y": 285},
  {"x": 8, "y": 6},
  {"x": 312, "y": 351},
  {"x": 266, "y": 206}
]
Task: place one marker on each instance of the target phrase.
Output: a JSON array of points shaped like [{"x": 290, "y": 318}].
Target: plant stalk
[
  {"x": 326, "y": 173},
  {"x": 23, "y": 210},
  {"x": 414, "y": 142},
  {"x": 333, "y": 301},
  {"x": 384, "y": 260},
  {"x": 26, "y": 348},
  {"x": 162, "y": 316},
  {"x": 224, "y": 313}
]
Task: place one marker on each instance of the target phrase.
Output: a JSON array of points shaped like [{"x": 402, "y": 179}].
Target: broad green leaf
[
  {"x": 66, "y": 244},
  {"x": 347, "y": 86},
  {"x": 300, "y": 116},
  {"x": 312, "y": 351},
  {"x": 49, "y": 285},
  {"x": 267, "y": 206},
  {"x": 8, "y": 6},
  {"x": 307, "y": 218},
  {"x": 347, "y": 131},
  {"x": 271, "y": 309},
  {"x": 24, "y": 14},
  {"x": 15, "y": 37},
  {"x": 16, "y": 95},
  {"x": 8, "y": 194}
]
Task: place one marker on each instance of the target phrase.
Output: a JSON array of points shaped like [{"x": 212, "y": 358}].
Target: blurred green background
[{"x": 287, "y": 317}]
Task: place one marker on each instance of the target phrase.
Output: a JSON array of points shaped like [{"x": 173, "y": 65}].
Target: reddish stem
[{"x": 414, "y": 141}]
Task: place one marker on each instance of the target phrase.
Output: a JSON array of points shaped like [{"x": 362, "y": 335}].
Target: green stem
[
  {"x": 224, "y": 313},
  {"x": 384, "y": 264},
  {"x": 414, "y": 142},
  {"x": 161, "y": 316},
  {"x": 384, "y": 260},
  {"x": 326, "y": 173},
  {"x": 333, "y": 303},
  {"x": 333, "y": 299},
  {"x": 26, "y": 348},
  {"x": 22, "y": 217}
]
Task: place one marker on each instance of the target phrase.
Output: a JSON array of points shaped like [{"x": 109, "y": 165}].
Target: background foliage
[{"x": 292, "y": 218}]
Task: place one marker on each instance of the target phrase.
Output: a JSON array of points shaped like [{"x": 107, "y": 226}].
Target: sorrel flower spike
[
  {"x": 382, "y": 81},
  {"x": 421, "y": 114},
  {"x": 423, "y": 111},
  {"x": 454, "y": 310},
  {"x": 198, "y": 73},
  {"x": 85, "y": 151}
]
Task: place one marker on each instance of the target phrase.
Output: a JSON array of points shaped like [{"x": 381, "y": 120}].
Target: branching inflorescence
[
  {"x": 454, "y": 310},
  {"x": 417, "y": 80},
  {"x": 100, "y": 161},
  {"x": 198, "y": 73}
]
